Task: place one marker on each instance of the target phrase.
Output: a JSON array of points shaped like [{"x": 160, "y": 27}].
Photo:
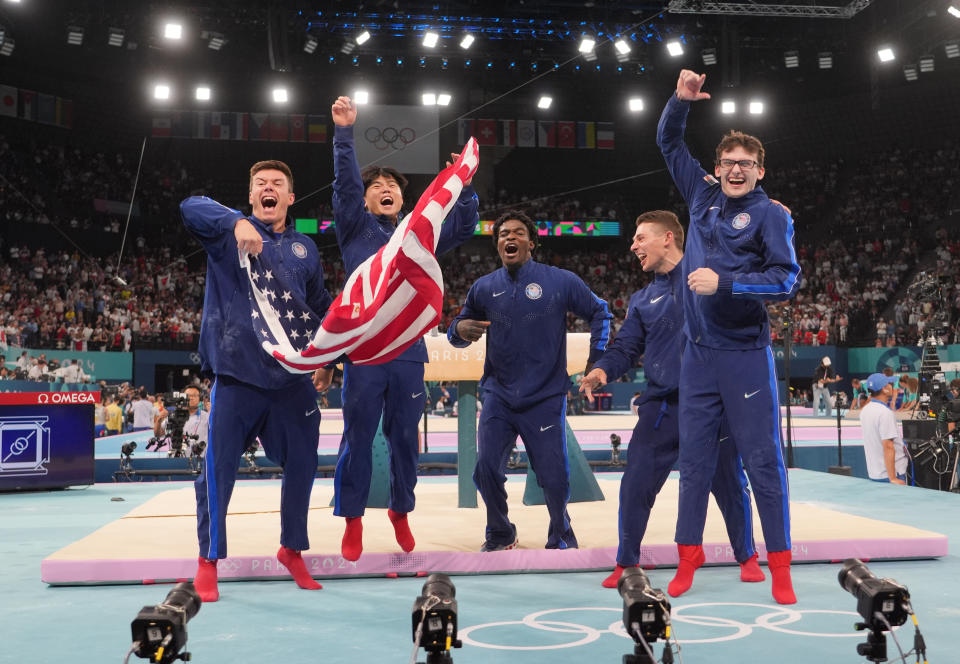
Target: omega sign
[
  {"x": 66, "y": 397},
  {"x": 49, "y": 398}
]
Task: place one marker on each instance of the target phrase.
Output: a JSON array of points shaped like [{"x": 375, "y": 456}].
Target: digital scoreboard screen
[
  {"x": 485, "y": 227},
  {"x": 46, "y": 439}
]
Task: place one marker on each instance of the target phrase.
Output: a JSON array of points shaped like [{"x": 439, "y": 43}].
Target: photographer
[
  {"x": 823, "y": 377},
  {"x": 197, "y": 422}
]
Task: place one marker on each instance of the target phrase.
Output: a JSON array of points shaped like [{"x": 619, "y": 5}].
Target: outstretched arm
[
  {"x": 348, "y": 205},
  {"x": 689, "y": 176}
]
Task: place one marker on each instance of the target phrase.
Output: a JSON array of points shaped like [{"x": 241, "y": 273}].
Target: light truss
[{"x": 849, "y": 10}]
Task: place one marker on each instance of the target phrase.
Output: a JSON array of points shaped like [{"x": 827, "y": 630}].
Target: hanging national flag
[
  {"x": 203, "y": 125},
  {"x": 28, "y": 104},
  {"x": 8, "y": 100},
  {"x": 487, "y": 132},
  {"x": 259, "y": 127},
  {"x": 298, "y": 128},
  {"x": 316, "y": 129},
  {"x": 465, "y": 129},
  {"x": 182, "y": 124},
  {"x": 161, "y": 128},
  {"x": 566, "y": 134},
  {"x": 388, "y": 302},
  {"x": 507, "y": 133},
  {"x": 547, "y": 134},
  {"x": 46, "y": 109},
  {"x": 605, "y": 135},
  {"x": 240, "y": 127},
  {"x": 64, "y": 113},
  {"x": 586, "y": 135},
  {"x": 279, "y": 129},
  {"x": 527, "y": 133}
]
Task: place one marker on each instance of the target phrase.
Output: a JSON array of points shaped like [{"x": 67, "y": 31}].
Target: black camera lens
[
  {"x": 439, "y": 585},
  {"x": 184, "y": 597}
]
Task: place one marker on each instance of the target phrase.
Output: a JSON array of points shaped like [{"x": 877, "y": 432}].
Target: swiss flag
[{"x": 486, "y": 132}]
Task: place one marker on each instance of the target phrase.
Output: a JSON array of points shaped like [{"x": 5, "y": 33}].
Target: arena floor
[{"x": 517, "y": 618}]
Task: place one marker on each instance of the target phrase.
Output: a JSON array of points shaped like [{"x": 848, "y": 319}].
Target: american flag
[{"x": 392, "y": 299}]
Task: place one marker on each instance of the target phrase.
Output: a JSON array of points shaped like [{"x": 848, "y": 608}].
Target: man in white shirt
[
  {"x": 882, "y": 444},
  {"x": 142, "y": 413},
  {"x": 197, "y": 423}
]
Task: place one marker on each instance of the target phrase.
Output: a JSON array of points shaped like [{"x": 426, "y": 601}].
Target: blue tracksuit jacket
[
  {"x": 360, "y": 233},
  {"x": 526, "y": 358},
  {"x": 747, "y": 241},
  {"x": 228, "y": 344}
]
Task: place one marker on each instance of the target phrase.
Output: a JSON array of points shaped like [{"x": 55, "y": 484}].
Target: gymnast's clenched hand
[
  {"x": 248, "y": 239},
  {"x": 703, "y": 281},
  {"x": 471, "y": 330}
]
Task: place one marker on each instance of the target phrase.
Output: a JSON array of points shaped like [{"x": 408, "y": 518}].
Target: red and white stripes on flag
[{"x": 391, "y": 300}]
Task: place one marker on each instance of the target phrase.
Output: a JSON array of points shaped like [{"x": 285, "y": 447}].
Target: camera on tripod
[
  {"x": 646, "y": 616},
  {"x": 180, "y": 444},
  {"x": 883, "y": 604},
  {"x": 160, "y": 632},
  {"x": 435, "y": 619}
]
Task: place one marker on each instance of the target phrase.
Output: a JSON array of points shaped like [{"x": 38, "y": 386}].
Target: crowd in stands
[{"x": 854, "y": 277}]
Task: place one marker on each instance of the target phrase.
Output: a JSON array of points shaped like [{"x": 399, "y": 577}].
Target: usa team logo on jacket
[
  {"x": 741, "y": 221},
  {"x": 533, "y": 291},
  {"x": 299, "y": 250}
]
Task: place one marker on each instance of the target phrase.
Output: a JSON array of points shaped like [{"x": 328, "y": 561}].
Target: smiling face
[
  {"x": 270, "y": 195},
  {"x": 384, "y": 196},
  {"x": 514, "y": 243},
  {"x": 651, "y": 243},
  {"x": 737, "y": 181}
]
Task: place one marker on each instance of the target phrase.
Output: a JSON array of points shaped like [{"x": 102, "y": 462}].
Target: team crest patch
[
  {"x": 741, "y": 221},
  {"x": 299, "y": 250},
  {"x": 533, "y": 291}
]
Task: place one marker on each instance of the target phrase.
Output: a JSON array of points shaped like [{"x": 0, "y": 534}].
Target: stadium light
[
  {"x": 926, "y": 64},
  {"x": 544, "y": 102},
  {"x": 709, "y": 56},
  {"x": 791, "y": 59},
  {"x": 115, "y": 37},
  {"x": 161, "y": 91},
  {"x": 635, "y": 104},
  {"x": 361, "y": 97},
  {"x": 173, "y": 31},
  {"x": 674, "y": 48},
  {"x": 310, "y": 45},
  {"x": 756, "y": 108},
  {"x": 622, "y": 46},
  {"x": 825, "y": 60},
  {"x": 953, "y": 11},
  {"x": 217, "y": 40},
  {"x": 429, "y": 99},
  {"x": 7, "y": 47},
  {"x": 910, "y": 72},
  {"x": 885, "y": 54},
  {"x": 202, "y": 93},
  {"x": 467, "y": 41},
  {"x": 363, "y": 37},
  {"x": 443, "y": 99},
  {"x": 75, "y": 35},
  {"x": 952, "y": 49},
  {"x": 348, "y": 47},
  {"x": 430, "y": 39},
  {"x": 280, "y": 96},
  {"x": 728, "y": 107},
  {"x": 587, "y": 42}
]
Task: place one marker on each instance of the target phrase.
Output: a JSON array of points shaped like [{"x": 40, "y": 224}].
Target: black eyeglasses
[{"x": 744, "y": 164}]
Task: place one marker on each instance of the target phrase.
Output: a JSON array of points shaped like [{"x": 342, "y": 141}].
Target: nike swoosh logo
[
  {"x": 723, "y": 439},
  {"x": 547, "y": 427},
  {"x": 714, "y": 207},
  {"x": 310, "y": 412},
  {"x": 414, "y": 396},
  {"x": 656, "y": 299},
  {"x": 499, "y": 294},
  {"x": 747, "y": 396}
]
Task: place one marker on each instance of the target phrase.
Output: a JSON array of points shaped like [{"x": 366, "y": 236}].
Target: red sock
[
  {"x": 402, "y": 531},
  {"x": 352, "y": 545},
  {"x": 691, "y": 558},
  {"x": 779, "y": 564},
  {"x": 611, "y": 581},
  {"x": 205, "y": 581},
  {"x": 293, "y": 561},
  {"x": 750, "y": 571}
]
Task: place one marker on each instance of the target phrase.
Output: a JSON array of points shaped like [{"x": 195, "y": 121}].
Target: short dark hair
[
  {"x": 193, "y": 387},
  {"x": 514, "y": 215},
  {"x": 272, "y": 164},
  {"x": 667, "y": 221},
  {"x": 734, "y": 138},
  {"x": 371, "y": 173}
]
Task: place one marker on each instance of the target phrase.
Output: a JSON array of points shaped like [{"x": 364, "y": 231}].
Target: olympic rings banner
[{"x": 402, "y": 137}]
